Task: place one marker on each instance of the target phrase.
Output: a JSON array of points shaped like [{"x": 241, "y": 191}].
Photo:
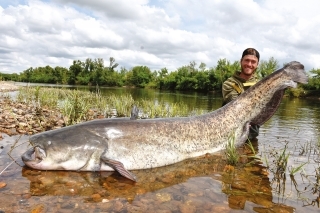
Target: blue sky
[{"x": 157, "y": 33}]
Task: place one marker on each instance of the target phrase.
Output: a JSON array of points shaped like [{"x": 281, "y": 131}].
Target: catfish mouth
[{"x": 34, "y": 154}]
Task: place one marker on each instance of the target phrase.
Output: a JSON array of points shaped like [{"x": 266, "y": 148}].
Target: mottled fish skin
[
  {"x": 271, "y": 107},
  {"x": 129, "y": 144}
]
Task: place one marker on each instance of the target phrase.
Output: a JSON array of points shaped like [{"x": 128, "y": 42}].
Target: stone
[
  {"x": 39, "y": 208},
  {"x": 2, "y": 185}
]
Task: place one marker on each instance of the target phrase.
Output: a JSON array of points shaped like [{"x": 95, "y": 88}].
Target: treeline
[{"x": 188, "y": 77}]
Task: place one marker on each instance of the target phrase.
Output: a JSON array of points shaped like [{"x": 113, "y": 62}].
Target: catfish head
[
  {"x": 37, "y": 157},
  {"x": 290, "y": 75},
  {"x": 53, "y": 151},
  {"x": 293, "y": 73}
]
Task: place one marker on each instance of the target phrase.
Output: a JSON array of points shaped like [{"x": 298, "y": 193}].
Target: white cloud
[{"x": 156, "y": 33}]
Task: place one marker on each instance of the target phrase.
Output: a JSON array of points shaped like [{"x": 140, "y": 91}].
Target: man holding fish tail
[{"x": 241, "y": 81}]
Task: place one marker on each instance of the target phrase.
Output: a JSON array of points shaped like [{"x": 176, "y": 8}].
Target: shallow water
[{"x": 202, "y": 184}]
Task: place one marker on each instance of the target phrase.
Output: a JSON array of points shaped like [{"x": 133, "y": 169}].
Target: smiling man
[{"x": 242, "y": 80}]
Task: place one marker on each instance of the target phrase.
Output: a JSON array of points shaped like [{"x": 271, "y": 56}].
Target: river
[{"x": 261, "y": 183}]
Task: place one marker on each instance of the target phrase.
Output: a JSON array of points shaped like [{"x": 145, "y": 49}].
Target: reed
[
  {"x": 251, "y": 148},
  {"x": 293, "y": 170},
  {"x": 77, "y": 106},
  {"x": 231, "y": 152},
  {"x": 282, "y": 161}
]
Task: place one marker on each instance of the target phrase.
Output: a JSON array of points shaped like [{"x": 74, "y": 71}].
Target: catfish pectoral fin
[{"x": 118, "y": 166}]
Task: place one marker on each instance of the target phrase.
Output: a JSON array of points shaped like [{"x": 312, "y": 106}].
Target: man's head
[{"x": 249, "y": 62}]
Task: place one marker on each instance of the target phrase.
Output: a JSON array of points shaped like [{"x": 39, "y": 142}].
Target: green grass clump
[
  {"x": 231, "y": 152},
  {"x": 78, "y": 106},
  {"x": 293, "y": 170}
]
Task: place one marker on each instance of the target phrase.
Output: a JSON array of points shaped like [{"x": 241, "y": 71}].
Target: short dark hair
[{"x": 251, "y": 51}]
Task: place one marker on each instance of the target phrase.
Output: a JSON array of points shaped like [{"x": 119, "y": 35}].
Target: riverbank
[
  {"x": 8, "y": 86},
  {"x": 19, "y": 118}
]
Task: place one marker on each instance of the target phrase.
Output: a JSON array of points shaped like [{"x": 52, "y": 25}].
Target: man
[{"x": 242, "y": 80}]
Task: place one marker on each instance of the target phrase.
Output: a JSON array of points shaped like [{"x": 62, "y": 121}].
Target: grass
[
  {"x": 78, "y": 106},
  {"x": 318, "y": 142},
  {"x": 250, "y": 146},
  {"x": 231, "y": 152},
  {"x": 293, "y": 170},
  {"x": 282, "y": 160}
]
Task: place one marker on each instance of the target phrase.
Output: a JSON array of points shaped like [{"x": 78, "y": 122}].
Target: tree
[
  {"x": 267, "y": 67},
  {"x": 112, "y": 64},
  {"x": 314, "y": 80},
  {"x": 141, "y": 76},
  {"x": 74, "y": 70},
  {"x": 224, "y": 70},
  {"x": 98, "y": 72},
  {"x": 62, "y": 75},
  {"x": 202, "y": 66}
]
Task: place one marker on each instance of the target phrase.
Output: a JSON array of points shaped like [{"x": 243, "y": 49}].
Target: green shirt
[{"x": 235, "y": 85}]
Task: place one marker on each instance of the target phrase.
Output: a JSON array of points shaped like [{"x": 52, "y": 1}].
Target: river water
[{"x": 260, "y": 183}]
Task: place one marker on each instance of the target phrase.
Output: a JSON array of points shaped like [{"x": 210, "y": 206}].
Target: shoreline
[
  {"x": 8, "y": 86},
  {"x": 19, "y": 118}
]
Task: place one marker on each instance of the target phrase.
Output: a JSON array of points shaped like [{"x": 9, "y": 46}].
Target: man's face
[{"x": 249, "y": 64}]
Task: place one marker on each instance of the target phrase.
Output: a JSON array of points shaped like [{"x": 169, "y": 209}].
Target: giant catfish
[{"x": 124, "y": 144}]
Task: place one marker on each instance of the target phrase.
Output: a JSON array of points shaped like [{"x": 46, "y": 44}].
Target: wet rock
[
  {"x": 228, "y": 169},
  {"x": 177, "y": 197},
  {"x": 26, "y": 196},
  {"x": 279, "y": 208},
  {"x": 138, "y": 206},
  {"x": 168, "y": 177},
  {"x": 2, "y": 185},
  {"x": 220, "y": 208},
  {"x": 237, "y": 202},
  {"x": 105, "y": 200},
  {"x": 118, "y": 206},
  {"x": 163, "y": 197},
  {"x": 240, "y": 185},
  {"x": 96, "y": 197},
  {"x": 68, "y": 205},
  {"x": 39, "y": 208},
  {"x": 187, "y": 208},
  {"x": 263, "y": 201},
  {"x": 141, "y": 191}
]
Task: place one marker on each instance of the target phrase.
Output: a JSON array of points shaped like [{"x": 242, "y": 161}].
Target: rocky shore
[{"x": 20, "y": 118}]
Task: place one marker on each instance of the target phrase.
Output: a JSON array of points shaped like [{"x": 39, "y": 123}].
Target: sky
[{"x": 156, "y": 33}]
